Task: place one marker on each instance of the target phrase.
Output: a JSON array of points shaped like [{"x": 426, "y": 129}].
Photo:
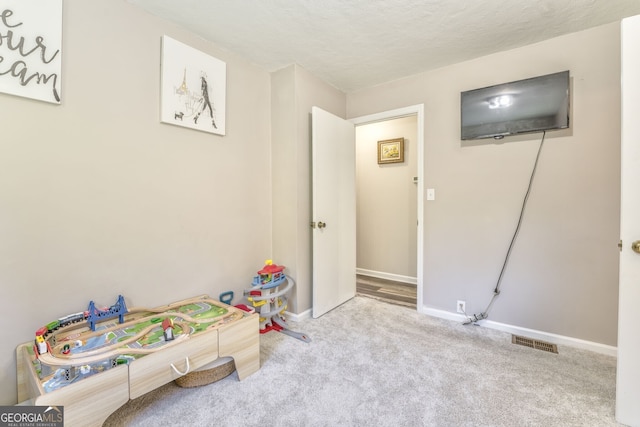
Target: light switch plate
[{"x": 431, "y": 193}]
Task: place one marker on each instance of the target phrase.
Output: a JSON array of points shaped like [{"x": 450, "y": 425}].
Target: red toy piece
[{"x": 167, "y": 327}]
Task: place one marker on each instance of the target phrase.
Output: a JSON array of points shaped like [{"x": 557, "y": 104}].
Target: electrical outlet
[{"x": 461, "y": 307}]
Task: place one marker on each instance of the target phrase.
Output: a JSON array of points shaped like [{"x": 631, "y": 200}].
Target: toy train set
[
  {"x": 120, "y": 361},
  {"x": 70, "y": 348},
  {"x": 91, "y": 315}
]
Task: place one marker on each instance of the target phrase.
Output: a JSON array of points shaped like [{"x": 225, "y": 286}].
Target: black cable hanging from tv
[{"x": 477, "y": 317}]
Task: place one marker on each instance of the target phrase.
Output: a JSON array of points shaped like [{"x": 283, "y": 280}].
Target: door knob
[
  {"x": 636, "y": 246},
  {"x": 324, "y": 224}
]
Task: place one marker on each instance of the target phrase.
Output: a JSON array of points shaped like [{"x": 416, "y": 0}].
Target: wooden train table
[{"x": 93, "y": 372}]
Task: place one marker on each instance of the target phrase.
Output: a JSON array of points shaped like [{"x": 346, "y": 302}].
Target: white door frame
[{"x": 411, "y": 110}]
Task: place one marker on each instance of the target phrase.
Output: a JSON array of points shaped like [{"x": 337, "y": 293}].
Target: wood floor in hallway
[{"x": 398, "y": 293}]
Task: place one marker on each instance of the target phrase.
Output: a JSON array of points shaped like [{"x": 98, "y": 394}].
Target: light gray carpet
[{"x": 377, "y": 364}]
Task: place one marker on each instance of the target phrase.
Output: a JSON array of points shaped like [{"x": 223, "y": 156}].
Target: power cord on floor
[{"x": 478, "y": 317}]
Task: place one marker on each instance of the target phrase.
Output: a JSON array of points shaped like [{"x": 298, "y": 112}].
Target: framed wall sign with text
[{"x": 31, "y": 49}]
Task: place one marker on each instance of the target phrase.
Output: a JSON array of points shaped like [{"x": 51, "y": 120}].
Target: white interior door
[
  {"x": 628, "y": 373},
  {"x": 334, "y": 211}
]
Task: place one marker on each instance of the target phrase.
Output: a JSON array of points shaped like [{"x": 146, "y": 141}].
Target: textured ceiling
[{"x": 353, "y": 44}]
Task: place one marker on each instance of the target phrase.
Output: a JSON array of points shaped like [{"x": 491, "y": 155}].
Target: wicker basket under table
[{"x": 208, "y": 374}]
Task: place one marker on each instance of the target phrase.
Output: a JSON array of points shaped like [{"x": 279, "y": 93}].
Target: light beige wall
[
  {"x": 292, "y": 189},
  {"x": 386, "y": 200},
  {"x": 563, "y": 272},
  {"x": 285, "y": 243},
  {"x": 98, "y": 198}
]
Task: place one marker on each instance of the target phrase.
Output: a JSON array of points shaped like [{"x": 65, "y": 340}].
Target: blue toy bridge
[{"x": 95, "y": 314}]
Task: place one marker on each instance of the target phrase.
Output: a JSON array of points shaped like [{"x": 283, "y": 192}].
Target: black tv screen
[{"x": 531, "y": 105}]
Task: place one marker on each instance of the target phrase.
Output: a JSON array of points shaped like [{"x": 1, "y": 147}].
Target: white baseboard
[
  {"x": 529, "y": 333},
  {"x": 387, "y": 276},
  {"x": 298, "y": 317}
]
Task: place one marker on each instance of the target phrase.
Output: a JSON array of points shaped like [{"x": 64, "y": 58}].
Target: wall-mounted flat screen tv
[{"x": 531, "y": 105}]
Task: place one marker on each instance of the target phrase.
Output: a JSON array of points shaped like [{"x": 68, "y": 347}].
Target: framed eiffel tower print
[{"x": 193, "y": 88}]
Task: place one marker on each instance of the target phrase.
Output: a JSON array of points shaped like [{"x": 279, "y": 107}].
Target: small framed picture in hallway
[{"x": 391, "y": 151}]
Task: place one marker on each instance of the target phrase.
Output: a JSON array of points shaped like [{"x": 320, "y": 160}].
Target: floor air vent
[{"x": 537, "y": 344}]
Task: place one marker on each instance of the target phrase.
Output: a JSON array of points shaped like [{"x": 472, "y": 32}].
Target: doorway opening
[{"x": 390, "y": 208}]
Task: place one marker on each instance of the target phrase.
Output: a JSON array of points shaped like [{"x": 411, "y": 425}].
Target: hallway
[{"x": 398, "y": 293}]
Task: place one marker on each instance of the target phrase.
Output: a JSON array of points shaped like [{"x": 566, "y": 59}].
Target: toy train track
[{"x": 63, "y": 351}]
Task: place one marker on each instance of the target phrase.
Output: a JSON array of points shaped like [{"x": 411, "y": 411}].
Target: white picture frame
[
  {"x": 193, "y": 88},
  {"x": 31, "y": 49}
]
